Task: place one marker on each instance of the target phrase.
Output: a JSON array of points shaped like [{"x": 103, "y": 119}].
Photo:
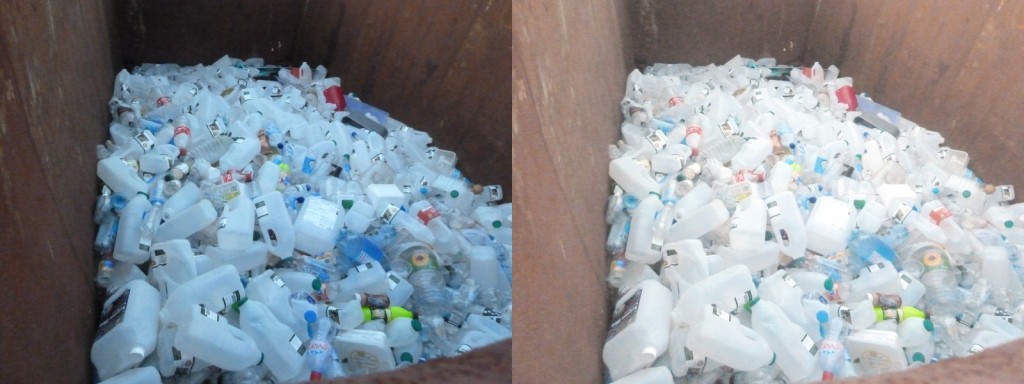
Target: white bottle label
[
  {"x": 231, "y": 299},
  {"x": 392, "y": 281},
  {"x": 296, "y": 344},
  {"x": 261, "y": 209},
  {"x": 905, "y": 280},
  {"x": 145, "y": 140},
  {"x": 789, "y": 280},
  {"x": 901, "y": 213},
  {"x": 625, "y": 316},
  {"x": 215, "y": 128},
  {"x": 277, "y": 280},
  {"x": 720, "y": 314},
  {"x": 389, "y": 213},
  {"x": 773, "y": 209},
  {"x": 208, "y": 313},
  {"x": 321, "y": 213},
  {"x": 809, "y": 344},
  {"x": 876, "y": 267},
  {"x": 363, "y": 267},
  {"x": 657, "y": 139}
]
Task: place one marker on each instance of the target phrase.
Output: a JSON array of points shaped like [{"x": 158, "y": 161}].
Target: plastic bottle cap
[
  {"x": 406, "y": 357},
  {"x": 238, "y": 304},
  {"x": 310, "y": 316},
  {"x": 918, "y": 357},
  {"x": 423, "y": 191},
  {"x": 255, "y": 235},
  {"x": 935, "y": 190},
  {"x": 317, "y": 284},
  {"x": 750, "y": 304},
  {"x": 314, "y": 376},
  {"x": 859, "y": 204},
  {"x": 1008, "y": 224},
  {"x": 768, "y": 236},
  {"x": 280, "y": 145},
  {"x": 416, "y": 326},
  {"x": 829, "y": 284},
  {"x": 812, "y": 199},
  {"x": 454, "y": 194},
  {"x": 822, "y": 316},
  {"x": 284, "y": 167},
  {"x": 929, "y": 326},
  {"x": 859, "y": 156},
  {"x": 496, "y": 224},
  {"x": 347, "y": 204},
  {"x": 966, "y": 194},
  {"x": 680, "y": 177}
]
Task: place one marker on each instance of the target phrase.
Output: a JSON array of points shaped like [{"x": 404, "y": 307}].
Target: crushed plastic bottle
[
  {"x": 257, "y": 224},
  {"x": 802, "y": 231}
]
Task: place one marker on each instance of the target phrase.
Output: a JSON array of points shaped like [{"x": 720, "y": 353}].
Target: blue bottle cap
[
  {"x": 822, "y": 316},
  {"x": 310, "y": 316}
]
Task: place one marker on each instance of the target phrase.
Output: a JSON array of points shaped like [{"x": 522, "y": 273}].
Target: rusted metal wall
[
  {"x": 951, "y": 66},
  {"x": 569, "y": 66},
  {"x": 439, "y": 67},
  {"x": 56, "y": 70}
]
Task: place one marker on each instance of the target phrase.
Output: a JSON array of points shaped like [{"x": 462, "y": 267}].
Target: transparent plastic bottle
[
  {"x": 425, "y": 275},
  {"x": 932, "y": 263}
]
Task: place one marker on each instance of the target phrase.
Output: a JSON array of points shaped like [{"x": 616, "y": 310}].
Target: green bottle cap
[
  {"x": 928, "y": 325},
  {"x": 496, "y": 224},
  {"x": 750, "y": 304},
  {"x": 966, "y": 194},
  {"x": 238, "y": 304},
  {"x": 1008, "y": 224},
  {"x": 454, "y": 194},
  {"x": 416, "y": 326},
  {"x": 317, "y": 284},
  {"x": 859, "y": 204},
  {"x": 918, "y": 357},
  {"x": 407, "y": 357},
  {"x": 829, "y": 284}
]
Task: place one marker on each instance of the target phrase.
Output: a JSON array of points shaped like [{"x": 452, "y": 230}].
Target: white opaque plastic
[
  {"x": 748, "y": 224},
  {"x": 316, "y": 226},
  {"x": 485, "y": 270},
  {"x": 399, "y": 289},
  {"x": 234, "y": 233},
  {"x": 142, "y": 375},
  {"x": 267, "y": 178},
  {"x": 728, "y": 290},
  {"x": 829, "y": 225},
  {"x": 185, "y": 197},
  {"x": 653, "y": 375},
  {"x": 187, "y": 222},
  {"x": 631, "y": 176},
  {"x": 640, "y": 329},
  {"x": 239, "y": 154},
  {"x": 699, "y": 222},
  {"x": 210, "y": 338},
  {"x": 216, "y": 290},
  {"x": 128, "y": 246},
  {"x": 128, "y": 331},
  {"x": 270, "y": 290},
  {"x": 249, "y": 261},
  {"x": 794, "y": 349},
  {"x": 787, "y": 224},
  {"x": 368, "y": 277},
  {"x": 639, "y": 247},
  {"x": 380, "y": 195},
  {"x": 728, "y": 342},
  {"x": 699, "y": 196},
  {"x": 282, "y": 349},
  {"x": 173, "y": 265},
  {"x": 120, "y": 177},
  {"x": 402, "y": 331},
  {"x": 363, "y": 352},
  {"x": 275, "y": 223},
  {"x": 913, "y": 332}
]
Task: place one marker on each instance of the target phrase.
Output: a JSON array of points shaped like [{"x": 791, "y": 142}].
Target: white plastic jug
[
  {"x": 639, "y": 330},
  {"x": 282, "y": 349},
  {"x": 216, "y": 290},
  {"x": 317, "y": 226},
  {"x": 208, "y": 337},
  {"x": 795, "y": 350},
  {"x": 128, "y": 330},
  {"x": 728, "y": 290}
]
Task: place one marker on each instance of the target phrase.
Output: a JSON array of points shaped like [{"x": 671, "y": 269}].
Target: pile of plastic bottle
[
  {"x": 257, "y": 225},
  {"x": 770, "y": 225}
]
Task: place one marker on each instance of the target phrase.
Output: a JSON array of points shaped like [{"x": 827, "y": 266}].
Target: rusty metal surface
[
  {"x": 953, "y": 67},
  {"x": 55, "y": 75},
  {"x": 703, "y": 32},
  {"x": 568, "y": 73},
  {"x": 441, "y": 67}
]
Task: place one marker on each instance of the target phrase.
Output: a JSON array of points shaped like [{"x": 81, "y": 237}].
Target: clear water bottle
[
  {"x": 932, "y": 263},
  {"x": 425, "y": 275}
]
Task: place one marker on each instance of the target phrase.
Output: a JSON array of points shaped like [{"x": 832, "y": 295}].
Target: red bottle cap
[{"x": 334, "y": 96}]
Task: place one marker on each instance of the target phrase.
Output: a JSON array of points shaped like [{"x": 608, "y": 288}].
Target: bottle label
[
  {"x": 423, "y": 260},
  {"x": 939, "y": 214},
  {"x": 728, "y": 128},
  {"x": 230, "y": 299},
  {"x": 374, "y": 301},
  {"x": 277, "y": 280},
  {"x": 789, "y": 280},
  {"x": 333, "y": 313},
  {"x": 393, "y": 281},
  {"x": 463, "y": 348},
  {"x": 657, "y": 139},
  {"x": 389, "y": 213},
  {"x": 808, "y": 344},
  {"x": 1007, "y": 193},
  {"x": 720, "y": 314},
  {"x": 363, "y": 267},
  {"x": 905, "y": 280},
  {"x": 296, "y": 344},
  {"x": 321, "y": 213},
  {"x": 875, "y": 267},
  {"x": 261, "y": 209},
  {"x": 670, "y": 260},
  {"x": 626, "y": 315},
  {"x": 380, "y": 314},
  {"x": 694, "y": 367},
  {"x": 113, "y": 315},
  {"x": 1004, "y": 314},
  {"x": 845, "y": 314},
  {"x": 967, "y": 318},
  {"x": 773, "y": 209},
  {"x": 208, "y": 313},
  {"x": 455, "y": 319},
  {"x": 887, "y": 301},
  {"x": 427, "y": 214},
  {"x": 901, "y": 213},
  {"x": 145, "y": 139},
  {"x": 181, "y": 366},
  {"x": 975, "y": 349},
  {"x": 496, "y": 194},
  {"x": 743, "y": 299},
  {"x": 145, "y": 242},
  {"x": 215, "y": 128},
  {"x": 892, "y": 314}
]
